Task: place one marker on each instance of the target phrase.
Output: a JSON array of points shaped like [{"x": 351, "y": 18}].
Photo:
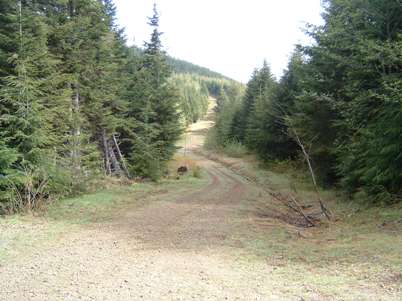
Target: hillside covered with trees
[{"x": 340, "y": 100}]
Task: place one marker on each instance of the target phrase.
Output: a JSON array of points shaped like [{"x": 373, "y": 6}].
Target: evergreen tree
[
  {"x": 154, "y": 110},
  {"x": 242, "y": 117},
  {"x": 354, "y": 71},
  {"x": 256, "y": 126},
  {"x": 279, "y": 143},
  {"x": 24, "y": 130},
  {"x": 75, "y": 100}
]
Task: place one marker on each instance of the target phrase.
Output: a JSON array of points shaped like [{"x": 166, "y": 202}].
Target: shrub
[
  {"x": 235, "y": 149},
  {"x": 211, "y": 141},
  {"x": 197, "y": 172}
]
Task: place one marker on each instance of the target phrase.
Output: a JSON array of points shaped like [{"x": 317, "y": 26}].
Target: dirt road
[
  {"x": 172, "y": 249},
  {"x": 176, "y": 248},
  {"x": 197, "y": 244}
]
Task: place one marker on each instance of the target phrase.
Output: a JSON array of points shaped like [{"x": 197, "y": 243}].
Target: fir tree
[
  {"x": 260, "y": 106},
  {"x": 154, "y": 110},
  {"x": 24, "y": 130}
]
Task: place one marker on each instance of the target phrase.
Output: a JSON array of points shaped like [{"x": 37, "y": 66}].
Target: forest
[
  {"x": 340, "y": 99},
  {"x": 129, "y": 174},
  {"x": 77, "y": 103}
]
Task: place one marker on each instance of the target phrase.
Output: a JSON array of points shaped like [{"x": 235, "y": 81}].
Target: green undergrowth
[
  {"x": 235, "y": 149},
  {"x": 231, "y": 148}
]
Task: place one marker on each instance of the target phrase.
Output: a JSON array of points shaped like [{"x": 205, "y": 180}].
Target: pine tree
[
  {"x": 80, "y": 39},
  {"x": 24, "y": 130},
  {"x": 154, "y": 110},
  {"x": 358, "y": 68},
  {"x": 243, "y": 115},
  {"x": 279, "y": 144},
  {"x": 261, "y": 108}
]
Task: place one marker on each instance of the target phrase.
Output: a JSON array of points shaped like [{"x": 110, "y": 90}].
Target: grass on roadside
[
  {"x": 103, "y": 205},
  {"x": 235, "y": 149},
  {"x": 355, "y": 258},
  {"x": 361, "y": 248},
  {"x": 359, "y": 233},
  {"x": 24, "y": 233}
]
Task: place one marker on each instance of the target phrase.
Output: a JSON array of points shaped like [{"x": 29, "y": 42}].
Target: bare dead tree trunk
[
  {"x": 296, "y": 137},
  {"x": 108, "y": 170},
  {"x": 115, "y": 163},
  {"x": 28, "y": 194},
  {"x": 285, "y": 120},
  {"x": 75, "y": 153},
  {"x": 123, "y": 163},
  {"x": 294, "y": 205},
  {"x": 299, "y": 210}
]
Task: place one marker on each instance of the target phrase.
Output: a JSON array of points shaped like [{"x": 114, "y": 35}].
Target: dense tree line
[
  {"x": 228, "y": 95},
  {"x": 77, "y": 103},
  {"x": 194, "y": 96},
  {"x": 342, "y": 97}
]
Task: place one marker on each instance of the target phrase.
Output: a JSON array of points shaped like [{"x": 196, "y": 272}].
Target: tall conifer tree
[{"x": 154, "y": 109}]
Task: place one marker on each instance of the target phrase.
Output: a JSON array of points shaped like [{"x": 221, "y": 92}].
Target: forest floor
[{"x": 214, "y": 237}]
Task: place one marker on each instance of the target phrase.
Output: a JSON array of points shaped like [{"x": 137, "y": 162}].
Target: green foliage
[
  {"x": 257, "y": 122},
  {"x": 235, "y": 149},
  {"x": 228, "y": 98},
  {"x": 77, "y": 103},
  {"x": 342, "y": 96},
  {"x": 211, "y": 140},
  {"x": 197, "y": 172},
  {"x": 256, "y": 111},
  {"x": 24, "y": 134},
  {"x": 359, "y": 66},
  {"x": 153, "y": 110},
  {"x": 194, "y": 96}
]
